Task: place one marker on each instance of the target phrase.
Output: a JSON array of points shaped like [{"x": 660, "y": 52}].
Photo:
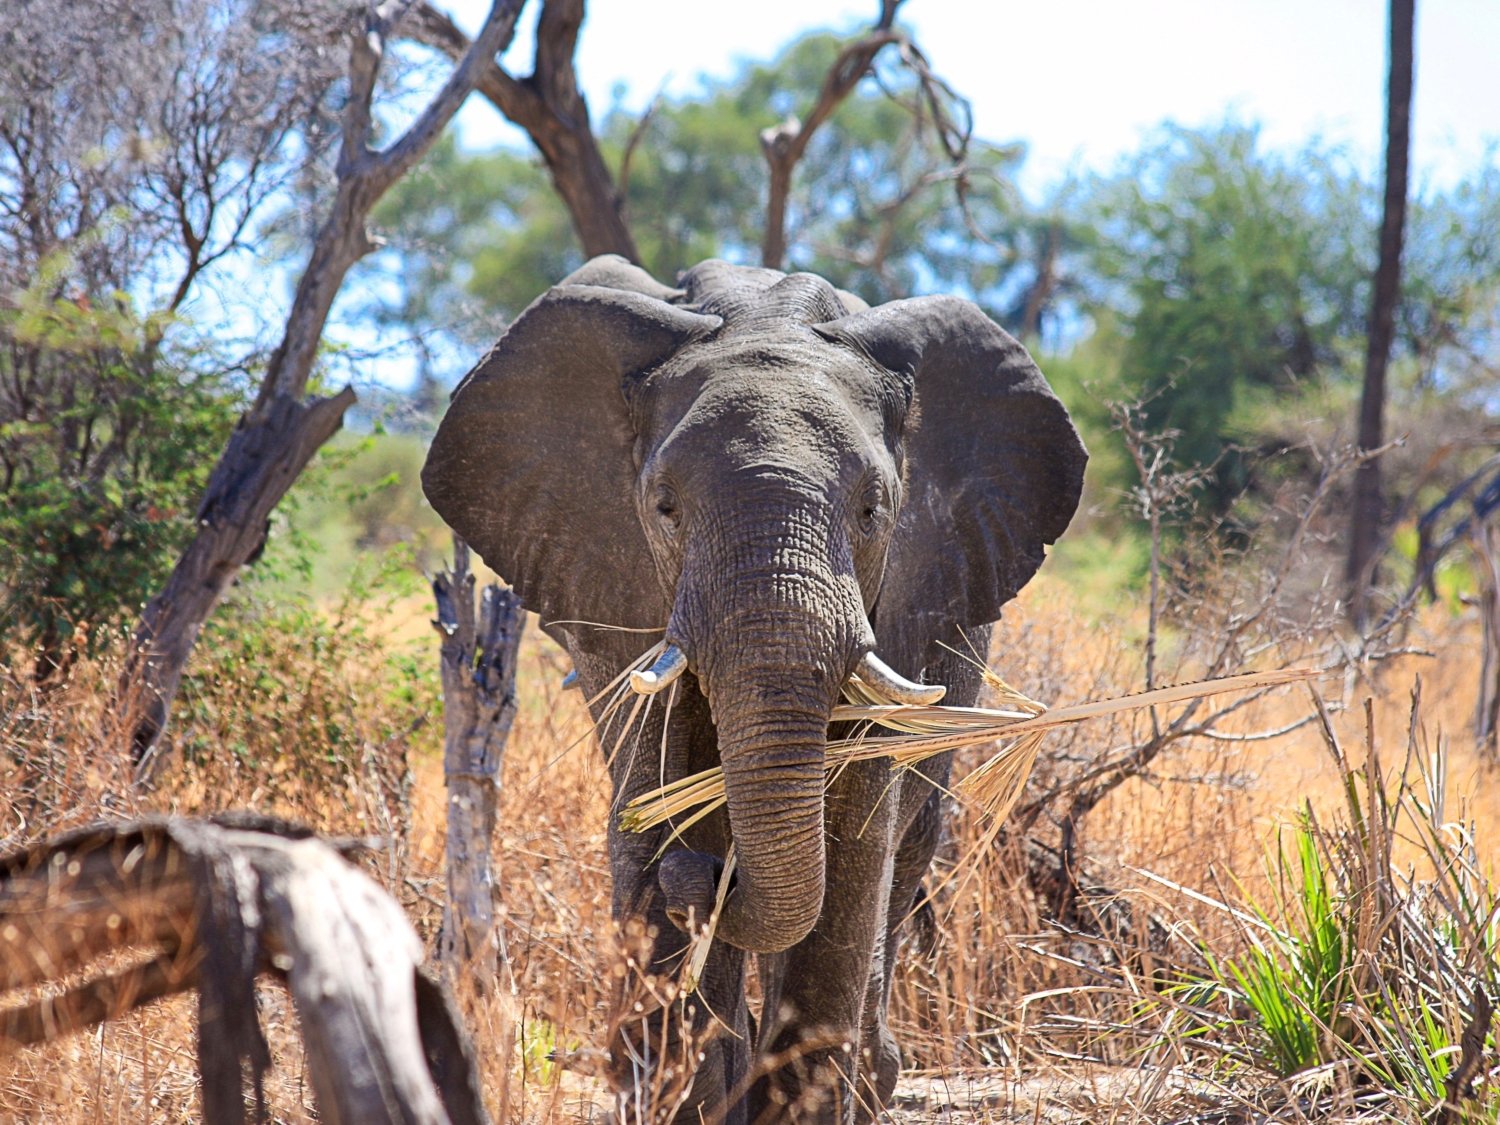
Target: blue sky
[{"x": 1081, "y": 81}]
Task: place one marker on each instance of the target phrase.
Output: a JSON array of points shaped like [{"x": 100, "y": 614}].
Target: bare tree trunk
[
  {"x": 282, "y": 431},
  {"x": 555, "y": 114},
  {"x": 1040, "y": 294},
  {"x": 479, "y": 706},
  {"x": 1366, "y": 514},
  {"x": 1486, "y": 540}
]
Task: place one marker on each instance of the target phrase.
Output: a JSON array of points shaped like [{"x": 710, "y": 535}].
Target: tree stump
[{"x": 478, "y": 657}]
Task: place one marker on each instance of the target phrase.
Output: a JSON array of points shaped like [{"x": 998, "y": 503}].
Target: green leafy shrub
[{"x": 107, "y": 438}]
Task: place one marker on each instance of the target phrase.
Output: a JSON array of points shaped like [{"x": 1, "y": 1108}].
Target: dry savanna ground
[{"x": 331, "y": 718}]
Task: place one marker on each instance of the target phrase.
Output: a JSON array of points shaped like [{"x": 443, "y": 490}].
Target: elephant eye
[
  {"x": 668, "y": 511},
  {"x": 871, "y": 508}
]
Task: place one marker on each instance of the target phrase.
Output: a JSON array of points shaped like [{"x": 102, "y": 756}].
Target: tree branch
[
  {"x": 555, "y": 115},
  {"x": 784, "y": 145},
  {"x": 227, "y": 901},
  {"x": 498, "y": 30}
]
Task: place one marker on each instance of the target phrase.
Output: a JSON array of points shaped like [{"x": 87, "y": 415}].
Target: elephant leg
[
  {"x": 810, "y": 1028},
  {"x": 690, "y": 1052},
  {"x": 880, "y": 1053},
  {"x": 655, "y": 1048},
  {"x": 920, "y": 826}
]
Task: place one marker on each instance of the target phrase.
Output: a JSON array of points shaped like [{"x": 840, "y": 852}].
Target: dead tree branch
[
  {"x": 785, "y": 144},
  {"x": 633, "y": 142},
  {"x": 479, "y": 705},
  {"x": 282, "y": 431},
  {"x": 1480, "y": 530},
  {"x": 552, "y": 109},
  {"x": 1246, "y": 624},
  {"x": 220, "y": 903}
]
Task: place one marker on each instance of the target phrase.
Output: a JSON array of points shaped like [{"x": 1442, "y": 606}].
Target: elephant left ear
[{"x": 994, "y": 468}]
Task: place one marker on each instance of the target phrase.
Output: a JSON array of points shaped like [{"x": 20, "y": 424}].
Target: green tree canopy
[
  {"x": 1229, "y": 269},
  {"x": 875, "y": 207},
  {"x": 1229, "y": 277}
]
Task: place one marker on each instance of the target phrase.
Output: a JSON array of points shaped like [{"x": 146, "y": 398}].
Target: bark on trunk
[
  {"x": 265, "y": 454},
  {"x": 223, "y": 903},
  {"x": 479, "y": 706},
  {"x": 282, "y": 431},
  {"x": 1367, "y": 509}
]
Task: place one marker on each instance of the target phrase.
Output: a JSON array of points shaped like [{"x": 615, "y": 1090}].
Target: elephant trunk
[
  {"x": 771, "y": 691},
  {"x": 770, "y": 615},
  {"x": 773, "y": 754}
]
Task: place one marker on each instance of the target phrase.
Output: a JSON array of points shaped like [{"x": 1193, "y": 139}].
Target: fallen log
[{"x": 212, "y": 905}]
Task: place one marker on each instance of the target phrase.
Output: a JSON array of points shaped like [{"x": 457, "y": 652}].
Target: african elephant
[{"x": 786, "y": 482}]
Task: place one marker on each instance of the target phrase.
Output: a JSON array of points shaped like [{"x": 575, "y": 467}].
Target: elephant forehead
[{"x": 800, "y": 420}]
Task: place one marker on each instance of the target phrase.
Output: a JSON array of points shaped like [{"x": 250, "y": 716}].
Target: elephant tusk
[
  {"x": 669, "y": 665},
  {"x": 879, "y": 676}
]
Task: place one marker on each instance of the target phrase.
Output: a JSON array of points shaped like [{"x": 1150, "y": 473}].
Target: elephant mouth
[{"x": 874, "y": 675}]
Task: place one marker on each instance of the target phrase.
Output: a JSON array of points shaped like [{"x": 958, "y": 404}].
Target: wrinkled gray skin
[{"x": 786, "y": 480}]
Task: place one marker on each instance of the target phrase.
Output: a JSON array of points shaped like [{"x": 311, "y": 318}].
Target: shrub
[{"x": 106, "y": 443}]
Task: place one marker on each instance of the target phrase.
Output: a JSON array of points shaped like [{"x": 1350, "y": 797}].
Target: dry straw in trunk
[
  {"x": 1019, "y": 724},
  {"x": 908, "y": 734}
]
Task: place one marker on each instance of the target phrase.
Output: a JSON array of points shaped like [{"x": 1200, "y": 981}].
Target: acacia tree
[
  {"x": 1365, "y": 514},
  {"x": 285, "y": 426}
]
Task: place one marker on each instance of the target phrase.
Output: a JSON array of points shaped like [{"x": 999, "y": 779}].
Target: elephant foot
[
  {"x": 878, "y": 1076},
  {"x": 666, "y": 1070},
  {"x": 809, "y": 1087},
  {"x": 676, "y": 1058}
]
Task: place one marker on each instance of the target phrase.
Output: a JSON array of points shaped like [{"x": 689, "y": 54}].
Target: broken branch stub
[{"x": 212, "y": 904}]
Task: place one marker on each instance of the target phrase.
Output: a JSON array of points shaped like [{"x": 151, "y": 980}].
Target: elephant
[{"x": 789, "y": 487}]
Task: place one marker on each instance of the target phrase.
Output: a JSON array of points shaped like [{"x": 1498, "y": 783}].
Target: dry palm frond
[
  {"x": 923, "y": 731},
  {"x": 674, "y": 799}
]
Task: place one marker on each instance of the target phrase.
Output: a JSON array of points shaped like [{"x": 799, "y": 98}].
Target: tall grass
[
  {"x": 1373, "y": 958},
  {"x": 1372, "y": 924}
]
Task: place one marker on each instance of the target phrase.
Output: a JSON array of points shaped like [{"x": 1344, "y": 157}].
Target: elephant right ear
[{"x": 533, "y": 462}]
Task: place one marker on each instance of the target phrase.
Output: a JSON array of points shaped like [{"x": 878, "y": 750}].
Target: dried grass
[{"x": 1002, "y": 1015}]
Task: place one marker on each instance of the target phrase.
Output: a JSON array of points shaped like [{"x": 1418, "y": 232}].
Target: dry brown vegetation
[{"x": 330, "y": 718}]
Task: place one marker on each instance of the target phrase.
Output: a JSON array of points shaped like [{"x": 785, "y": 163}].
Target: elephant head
[{"x": 783, "y": 479}]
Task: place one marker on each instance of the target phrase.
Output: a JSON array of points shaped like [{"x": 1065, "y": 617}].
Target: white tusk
[
  {"x": 882, "y": 678},
  {"x": 669, "y": 665}
]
